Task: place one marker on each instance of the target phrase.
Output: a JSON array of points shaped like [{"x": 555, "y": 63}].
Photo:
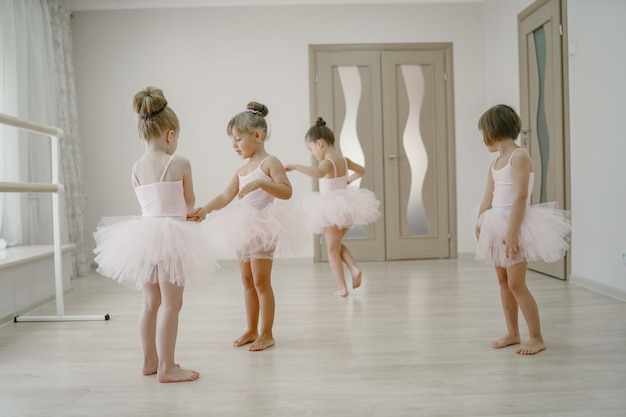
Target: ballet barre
[
  {"x": 56, "y": 189},
  {"x": 31, "y": 187}
]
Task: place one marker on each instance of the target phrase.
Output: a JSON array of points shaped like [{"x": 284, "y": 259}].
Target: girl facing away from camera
[{"x": 158, "y": 252}]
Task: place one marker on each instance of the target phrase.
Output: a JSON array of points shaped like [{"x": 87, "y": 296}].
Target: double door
[{"x": 390, "y": 107}]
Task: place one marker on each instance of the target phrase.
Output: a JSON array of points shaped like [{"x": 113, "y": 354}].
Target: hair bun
[
  {"x": 257, "y": 108},
  {"x": 320, "y": 122},
  {"x": 149, "y": 102}
]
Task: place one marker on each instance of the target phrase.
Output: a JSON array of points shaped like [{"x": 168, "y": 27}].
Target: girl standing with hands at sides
[
  {"x": 158, "y": 252},
  {"x": 336, "y": 207},
  {"x": 510, "y": 231},
  {"x": 256, "y": 227}
]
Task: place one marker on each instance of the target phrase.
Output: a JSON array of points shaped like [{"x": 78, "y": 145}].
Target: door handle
[{"x": 393, "y": 156}]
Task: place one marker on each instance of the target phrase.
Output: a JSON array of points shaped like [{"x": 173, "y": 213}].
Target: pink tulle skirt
[
  {"x": 341, "y": 208},
  {"x": 135, "y": 250},
  {"x": 251, "y": 233},
  {"x": 544, "y": 235}
]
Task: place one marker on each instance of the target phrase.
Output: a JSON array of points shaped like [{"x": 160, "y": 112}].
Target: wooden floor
[{"x": 414, "y": 340}]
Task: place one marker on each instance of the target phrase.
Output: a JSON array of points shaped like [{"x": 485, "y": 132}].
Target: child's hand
[
  {"x": 511, "y": 246},
  {"x": 249, "y": 187},
  {"x": 198, "y": 215},
  {"x": 477, "y": 233}
]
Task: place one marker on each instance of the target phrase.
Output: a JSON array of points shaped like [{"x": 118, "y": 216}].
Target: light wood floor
[{"x": 414, "y": 340}]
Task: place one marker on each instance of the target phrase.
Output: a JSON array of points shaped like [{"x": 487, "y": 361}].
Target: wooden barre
[
  {"x": 30, "y": 126},
  {"x": 30, "y": 187}
]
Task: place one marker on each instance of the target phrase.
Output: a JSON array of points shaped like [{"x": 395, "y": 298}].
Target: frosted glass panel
[
  {"x": 349, "y": 143},
  {"x": 543, "y": 135},
  {"x": 414, "y": 150}
]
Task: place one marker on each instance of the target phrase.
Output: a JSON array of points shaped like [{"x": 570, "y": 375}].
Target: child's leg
[
  {"x": 333, "y": 236},
  {"x": 262, "y": 275},
  {"x": 252, "y": 306},
  {"x": 167, "y": 332},
  {"x": 147, "y": 327},
  {"x": 347, "y": 258},
  {"x": 509, "y": 306},
  {"x": 526, "y": 302}
]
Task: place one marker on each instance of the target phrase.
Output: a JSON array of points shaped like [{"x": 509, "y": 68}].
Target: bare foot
[
  {"x": 244, "y": 339},
  {"x": 531, "y": 347},
  {"x": 356, "y": 277},
  {"x": 505, "y": 341},
  {"x": 341, "y": 293},
  {"x": 151, "y": 369},
  {"x": 150, "y": 366},
  {"x": 177, "y": 374},
  {"x": 262, "y": 343}
]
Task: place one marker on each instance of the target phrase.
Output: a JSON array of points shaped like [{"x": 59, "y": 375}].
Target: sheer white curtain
[
  {"x": 27, "y": 93},
  {"x": 36, "y": 83},
  {"x": 67, "y": 119}
]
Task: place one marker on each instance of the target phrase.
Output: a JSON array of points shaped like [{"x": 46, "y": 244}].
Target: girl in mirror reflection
[
  {"x": 336, "y": 207},
  {"x": 158, "y": 252},
  {"x": 510, "y": 231},
  {"x": 256, "y": 227}
]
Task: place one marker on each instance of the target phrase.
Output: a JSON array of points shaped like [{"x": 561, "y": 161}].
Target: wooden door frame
[
  {"x": 565, "y": 93},
  {"x": 447, "y": 47}
]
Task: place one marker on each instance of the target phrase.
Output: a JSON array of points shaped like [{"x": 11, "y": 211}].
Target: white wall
[
  {"x": 501, "y": 86},
  {"x": 598, "y": 143},
  {"x": 210, "y": 62}
]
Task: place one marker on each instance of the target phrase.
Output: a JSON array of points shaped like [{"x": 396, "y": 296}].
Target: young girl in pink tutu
[
  {"x": 158, "y": 252},
  {"x": 510, "y": 231},
  {"x": 336, "y": 207},
  {"x": 256, "y": 227}
]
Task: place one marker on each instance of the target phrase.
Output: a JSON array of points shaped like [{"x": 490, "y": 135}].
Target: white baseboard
[
  {"x": 277, "y": 260},
  {"x": 233, "y": 261},
  {"x": 598, "y": 287}
]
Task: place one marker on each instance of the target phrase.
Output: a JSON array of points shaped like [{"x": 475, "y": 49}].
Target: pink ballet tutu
[
  {"x": 544, "y": 235},
  {"x": 135, "y": 250},
  {"x": 342, "y": 208},
  {"x": 251, "y": 233}
]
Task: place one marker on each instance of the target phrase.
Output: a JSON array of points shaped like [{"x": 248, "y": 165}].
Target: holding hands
[{"x": 198, "y": 215}]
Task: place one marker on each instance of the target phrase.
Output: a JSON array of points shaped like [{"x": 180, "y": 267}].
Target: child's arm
[
  {"x": 190, "y": 197},
  {"x": 316, "y": 172},
  {"x": 521, "y": 165},
  {"x": 486, "y": 202},
  {"x": 220, "y": 201},
  {"x": 357, "y": 170},
  {"x": 279, "y": 187}
]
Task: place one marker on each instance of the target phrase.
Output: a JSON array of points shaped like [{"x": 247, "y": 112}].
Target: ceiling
[{"x": 76, "y": 5}]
